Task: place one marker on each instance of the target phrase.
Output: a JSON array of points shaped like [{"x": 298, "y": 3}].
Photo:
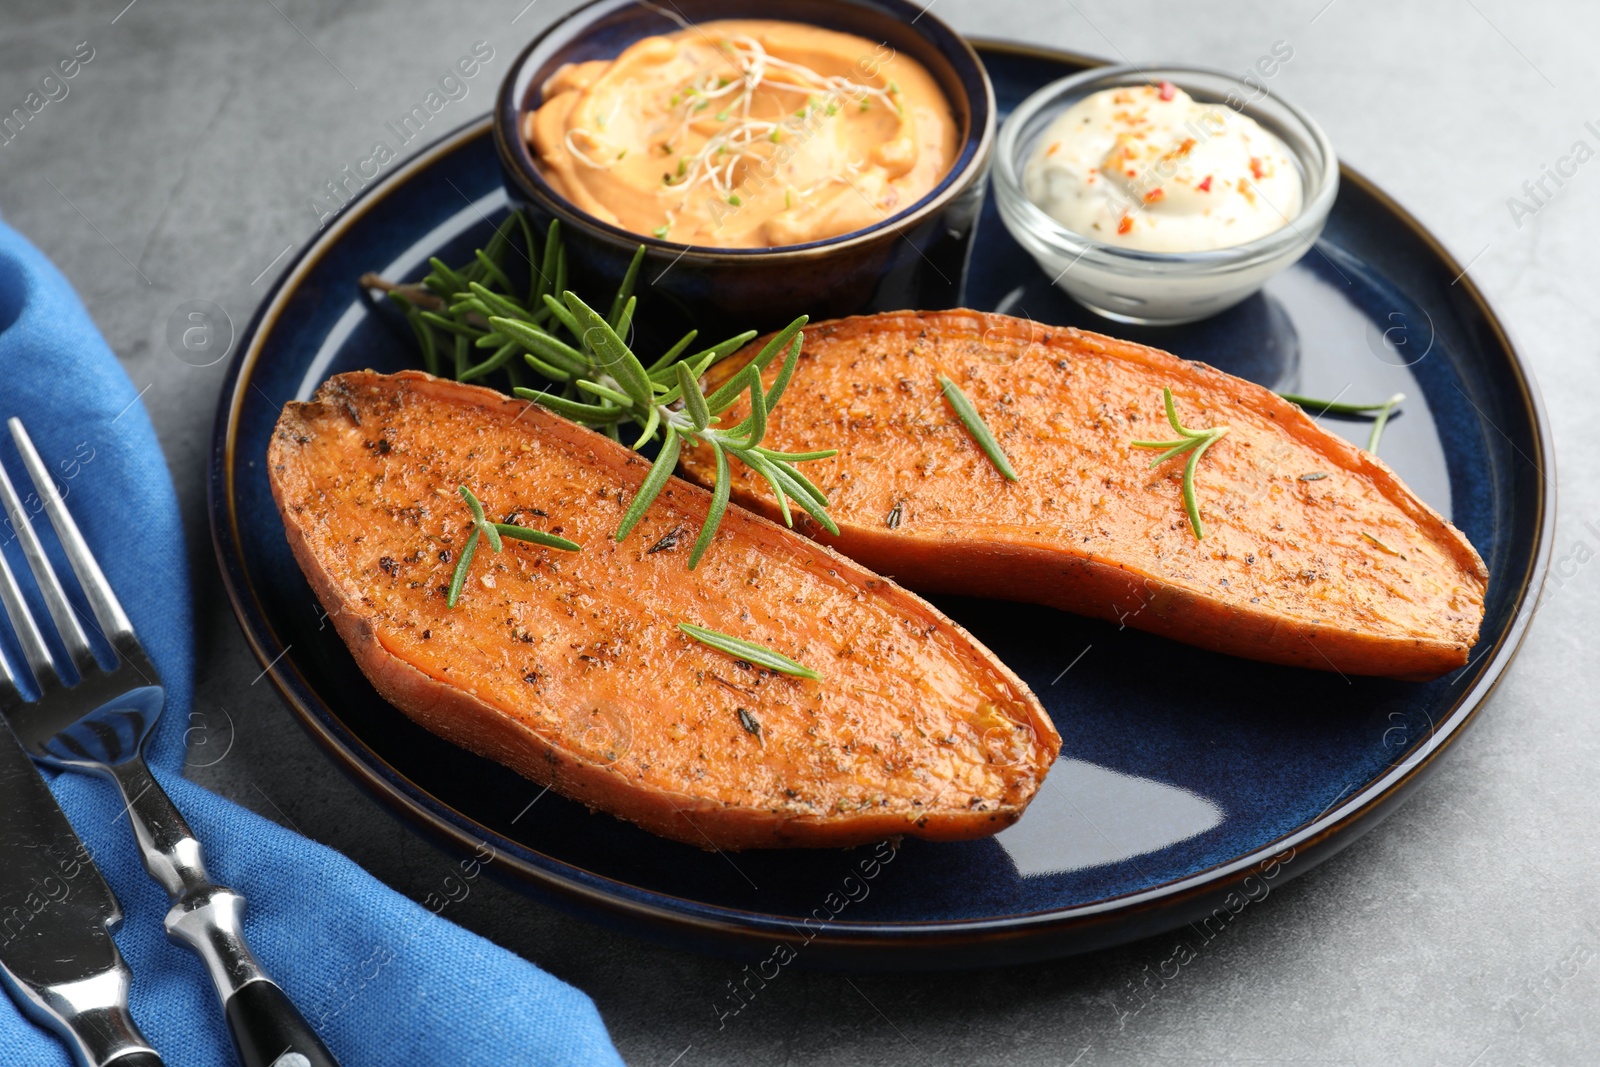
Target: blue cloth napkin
[{"x": 385, "y": 980}]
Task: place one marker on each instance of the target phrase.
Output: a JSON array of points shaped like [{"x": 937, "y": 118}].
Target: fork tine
[
  {"x": 55, "y": 597},
  {"x": 10, "y": 691},
  {"x": 27, "y": 631},
  {"x": 114, "y": 621}
]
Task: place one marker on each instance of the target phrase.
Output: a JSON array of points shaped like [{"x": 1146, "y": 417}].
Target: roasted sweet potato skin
[
  {"x": 569, "y": 667},
  {"x": 1315, "y": 555}
]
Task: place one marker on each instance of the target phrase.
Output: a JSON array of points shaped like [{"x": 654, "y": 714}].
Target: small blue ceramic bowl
[{"x": 914, "y": 259}]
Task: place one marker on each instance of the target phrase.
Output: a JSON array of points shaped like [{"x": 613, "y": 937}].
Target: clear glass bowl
[{"x": 1161, "y": 288}]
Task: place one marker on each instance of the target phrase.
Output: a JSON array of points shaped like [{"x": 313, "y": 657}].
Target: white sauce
[{"x": 1148, "y": 167}]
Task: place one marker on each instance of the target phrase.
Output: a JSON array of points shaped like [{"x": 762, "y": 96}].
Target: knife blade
[{"x": 57, "y": 958}]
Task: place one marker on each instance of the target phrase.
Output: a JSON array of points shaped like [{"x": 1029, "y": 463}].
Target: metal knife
[{"x": 57, "y": 958}]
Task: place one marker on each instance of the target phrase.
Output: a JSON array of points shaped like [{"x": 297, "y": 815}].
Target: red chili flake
[
  {"x": 1168, "y": 90},
  {"x": 1125, "y": 225},
  {"x": 1256, "y": 168},
  {"x": 1153, "y": 195},
  {"x": 1205, "y": 186},
  {"x": 1187, "y": 146}
]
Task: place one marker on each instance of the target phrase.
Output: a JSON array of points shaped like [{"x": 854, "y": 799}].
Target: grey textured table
[{"x": 1463, "y": 931}]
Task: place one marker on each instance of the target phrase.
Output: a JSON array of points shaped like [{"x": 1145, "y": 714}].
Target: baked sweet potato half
[
  {"x": 570, "y": 668},
  {"x": 1315, "y": 554}
]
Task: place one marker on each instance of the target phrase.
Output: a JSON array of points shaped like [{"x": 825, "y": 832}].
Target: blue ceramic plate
[{"x": 1189, "y": 783}]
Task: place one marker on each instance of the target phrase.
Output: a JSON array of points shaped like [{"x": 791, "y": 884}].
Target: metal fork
[{"x": 98, "y": 724}]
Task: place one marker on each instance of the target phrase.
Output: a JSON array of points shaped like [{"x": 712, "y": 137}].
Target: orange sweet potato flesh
[
  {"x": 569, "y": 667},
  {"x": 1315, "y": 553}
]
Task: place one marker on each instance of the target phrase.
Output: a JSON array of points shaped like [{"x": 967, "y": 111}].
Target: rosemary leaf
[
  {"x": 625, "y": 293},
  {"x": 495, "y": 304},
  {"x": 537, "y": 537},
  {"x": 604, "y": 391},
  {"x": 424, "y": 334},
  {"x": 705, "y": 359},
  {"x": 501, "y": 357},
  {"x": 762, "y": 466},
  {"x": 808, "y": 488},
  {"x": 1381, "y": 421},
  {"x": 671, "y": 354},
  {"x": 451, "y": 280},
  {"x": 1329, "y": 407},
  {"x": 652, "y": 423},
  {"x": 1190, "y": 504},
  {"x": 492, "y": 269},
  {"x": 749, "y": 651},
  {"x": 660, "y": 471},
  {"x": 694, "y": 401},
  {"x": 1171, "y": 407},
  {"x": 977, "y": 428},
  {"x": 719, "y": 506},
  {"x": 625, "y": 320},
  {"x": 785, "y": 374},
  {"x": 1177, "y": 448},
  {"x": 542, "y": 284},
  {"x": 444, "y": 322},
  {"x": 729, "y": 391},
  {"x": 801, "y": 490},
  {"x": 572, "y": 409},
  {"x": 779, "y": 340},
  {"x": 551, "y": 372},
  {"x": 495, "y": 250},
  {"x": 798, "y": 457},
  {"x": 563, "y": 315},
  {"x": 460, "y": 575},
  {"x": 530, "y": 252},
  {"x": 548, "y": 348},
  {"x": 755, "y": 427}
]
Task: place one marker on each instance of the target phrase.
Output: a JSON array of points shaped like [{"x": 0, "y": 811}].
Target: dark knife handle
[
  {"x": 269, "y": 1031},
  {"x": 137, "y": 1059}
]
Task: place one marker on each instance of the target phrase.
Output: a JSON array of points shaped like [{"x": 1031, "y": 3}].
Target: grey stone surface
[{"x": 1461, "y": 932}]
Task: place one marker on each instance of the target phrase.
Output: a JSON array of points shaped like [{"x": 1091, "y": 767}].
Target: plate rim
[{"x": 948, "y": 942}]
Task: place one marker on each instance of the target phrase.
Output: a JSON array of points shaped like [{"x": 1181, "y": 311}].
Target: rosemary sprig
[
  {"x": 1380, "y": 412},
  {"x": 666, "y": 400},
  {"x": 594, "y": 377},
  {"x": 977, "y": 428},
  {"x": 493, "y": 532},
  {"x": 1194, "y": 442},
  {"x": 749, "y": 651}
]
